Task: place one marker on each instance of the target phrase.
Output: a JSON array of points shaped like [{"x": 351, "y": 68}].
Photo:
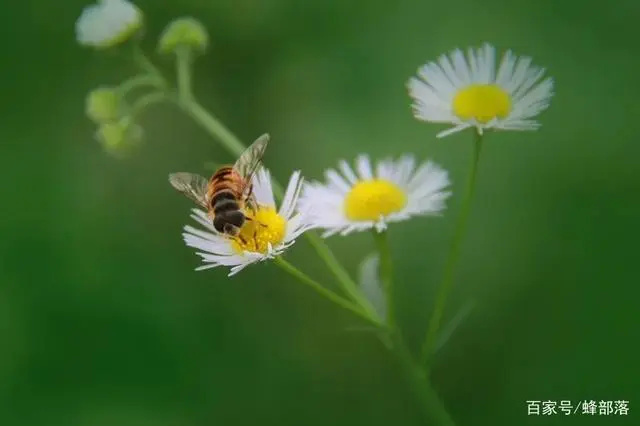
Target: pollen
[
  {"x": 368, "y": 200},
  {"x": 482, "y": 102},
  {"x": 261, "y": 228}
]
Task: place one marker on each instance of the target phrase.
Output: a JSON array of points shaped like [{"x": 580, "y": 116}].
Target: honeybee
[{"x": 229, "y": 190}]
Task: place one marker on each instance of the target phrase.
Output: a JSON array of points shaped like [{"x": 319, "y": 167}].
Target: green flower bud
[
  {"x": 103, "y": 104},
  {"x": 120, "y": 138},
  {"x": 183, "y": 32}
]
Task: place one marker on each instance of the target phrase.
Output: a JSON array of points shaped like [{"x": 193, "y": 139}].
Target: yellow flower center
[
  {"x": 368, "y": 200},
  {"x": 262, "y": 228},
  {"x": 482, "y": 102}
]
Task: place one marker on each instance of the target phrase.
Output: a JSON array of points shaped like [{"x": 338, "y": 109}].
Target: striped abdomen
[{"x": 225, "y": 192}]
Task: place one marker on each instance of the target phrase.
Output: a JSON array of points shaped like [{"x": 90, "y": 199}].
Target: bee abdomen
[
  {"x": 224, "y": 206},
  {"x": 224, "y": 201}
]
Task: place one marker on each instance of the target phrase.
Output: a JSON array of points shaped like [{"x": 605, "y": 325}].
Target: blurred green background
[{"x": 104, "y": 322}]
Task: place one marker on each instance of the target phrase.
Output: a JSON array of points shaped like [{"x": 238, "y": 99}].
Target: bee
[{"x": 228, "y": 192}]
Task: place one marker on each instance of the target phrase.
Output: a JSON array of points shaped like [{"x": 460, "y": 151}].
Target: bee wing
[
  {"x": 251, "y": 158},
  {"x": 192, "y": 185}
]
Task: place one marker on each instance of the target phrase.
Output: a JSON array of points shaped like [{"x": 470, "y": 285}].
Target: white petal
[
  {"x": 347, "y": 171},
  {"x": 363, "y": 165},
  {"x": 291, "y": 195},
  {"x": 263, "y": 189},
  {"x": 336, "y": 180}
]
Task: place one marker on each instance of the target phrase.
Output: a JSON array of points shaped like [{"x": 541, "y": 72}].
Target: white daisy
[
  {"x": 268, "y": 234},
  {"x": 469, "y": 93},
  {"x": 395, "y": 192},
  {"x": 107, "y": 23}
]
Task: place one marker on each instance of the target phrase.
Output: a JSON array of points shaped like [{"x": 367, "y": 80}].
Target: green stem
[
  {"x": 183, "y": 72},
  {"x": 149, "y": 99},
  {"x": 236, "y": 147},
  {"x": 323, "y": 291},
  {"x": 454, "y": 253},
  {"x": 348, "y": 285},
  {"x": 138, "y": 81},
  {"x": 146, "y": 65},
  {"x": 214, "y": 127},
  {"x": 433, "y": 409},
  {"x": 386, "y": 273}
]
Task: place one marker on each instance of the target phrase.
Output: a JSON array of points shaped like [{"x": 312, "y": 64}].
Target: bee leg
[
  {"x": 249, "y": 219},
  {"x": 250, "y": 193}
]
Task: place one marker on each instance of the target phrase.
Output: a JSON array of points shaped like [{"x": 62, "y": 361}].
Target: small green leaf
[
  {"x": 448, "y": 330},
  {"x": 371, "y": 285}
]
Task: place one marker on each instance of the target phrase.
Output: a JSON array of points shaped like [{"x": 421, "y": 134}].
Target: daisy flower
[
  {"x": 107, "y": 23},
  {"x": 467, "y": 92},
  {"x": 396, "y": 191},
  {"x": 268, "y": 234}
]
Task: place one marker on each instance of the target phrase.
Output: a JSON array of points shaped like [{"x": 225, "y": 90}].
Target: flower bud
[
  {"x": 183, "y": 32},
  {"x": 120, "y": 138},
  {"x": 103, "y": 104},
  {"x": 108, "y": 23}
]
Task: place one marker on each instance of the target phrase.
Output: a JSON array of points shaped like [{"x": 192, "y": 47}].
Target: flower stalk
[
  {"x": 433, "y": 409},
  {"x": 218, "y": 130},
  {"x": 183, "y": 73},
  {"x": 323, "y": 291},
  {"x": 454, "y": 252},
  {"x": 147, "y": 100},
  {"x": 147, "y": 66},
  {"x": 341, "y": 274},
  {"x": 139, "y": 81}
]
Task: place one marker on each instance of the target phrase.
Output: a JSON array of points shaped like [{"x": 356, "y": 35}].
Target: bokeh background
[{"x": 103, "y": 320}]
